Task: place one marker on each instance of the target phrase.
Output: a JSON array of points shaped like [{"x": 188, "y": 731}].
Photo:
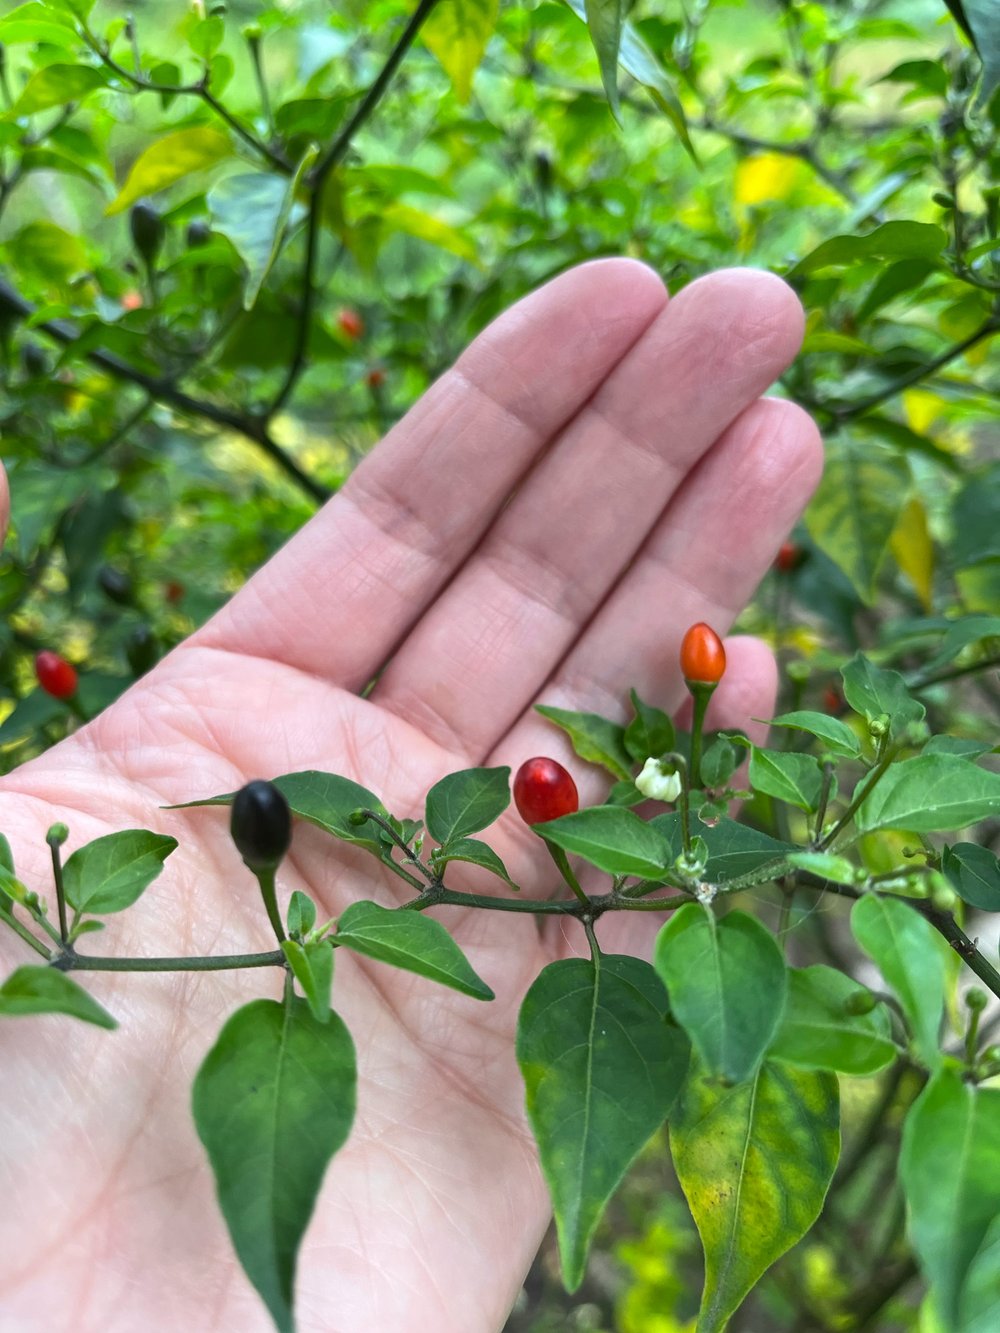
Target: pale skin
[{"x": 653, "y": 488}]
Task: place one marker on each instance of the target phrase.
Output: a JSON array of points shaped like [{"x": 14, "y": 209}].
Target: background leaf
[
  {"x": 755, "y": 1162},
  {"x": 818, "y": 1031}
]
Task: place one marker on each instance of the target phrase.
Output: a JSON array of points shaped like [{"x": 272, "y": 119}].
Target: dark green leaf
[
  {"x": 45, "y": 990},
  {"x": 794, "y": 778},
  {"x": 602, "y": 1069},
  {"x": 612, "y": 838},
  {"x": 110, "y": 873},
  {"x": 873, "y": 691},
  {"x": 892, "y": 240},
  {"x": 755, "y": 1162},
  {"x": 411, "y": 941},
  {"x": 975, "y": 874},
  {"x": 301, "y": 914},
  {"x": 726, "y": 980},
  {"x": 734, "y": 849},
  {"x": 594, "y": 738},
  {"x": 273, "y": 1102},
  {"x": 929, "y": 794},
  {"x": 650, "y": 733},
  {"x": 476, "y": 853},
  {"x": 835, "y": 735},
  {"x": 719, "y": 762},
  {"x": 950, "y": 1169},
  {"x": 312, "y": 965},
  {"x": 909, "y": 954},
  {"x": 463, "y": 803},
  {"x": 818, "y": 1030}
]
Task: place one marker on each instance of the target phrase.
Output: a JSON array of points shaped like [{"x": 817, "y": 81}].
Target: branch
[
  {"x": 852, "y": 410},
  {"x": 317, "y": 180},
  {"x": 165, "y": 390}
]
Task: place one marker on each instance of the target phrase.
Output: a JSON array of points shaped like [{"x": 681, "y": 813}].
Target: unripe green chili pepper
[
  {"x": 260, "y": 823},
  {"x": 142, "y": 649}
]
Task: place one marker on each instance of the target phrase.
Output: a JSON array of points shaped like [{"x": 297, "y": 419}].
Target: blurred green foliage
[{"x": 173, "y": 408}]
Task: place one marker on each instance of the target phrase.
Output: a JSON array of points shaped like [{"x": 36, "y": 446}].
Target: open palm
[{"x": 595, "y": 473}]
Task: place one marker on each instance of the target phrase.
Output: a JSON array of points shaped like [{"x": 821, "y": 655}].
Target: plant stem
[
  {"x": 265, "y": 878},
  {"x": 862, "y": 791},
  {"x": 563, "y": 866},
  {"x": 824, "y": 801},
  {"x": 57, "y": 875},
  {"x": 76, "y": 962},
  {"x": 702, "y": 693},
  {"x": 20, "y": 929}
]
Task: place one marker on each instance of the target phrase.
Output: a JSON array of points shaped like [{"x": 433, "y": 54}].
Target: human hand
[{"x": 651, "y": 488}]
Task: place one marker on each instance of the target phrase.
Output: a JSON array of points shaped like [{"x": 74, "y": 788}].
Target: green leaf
[
  {"x": 411, "y": 941},
  {"x": 854, "y": 512},
  {"x": 980, "y": 1302},
  {"x": 602, "y": 1069},
  {"x": 457, "y": 32},
  {"x": 835, "y": 868},
  {"x": 37, "y": 23},
  {"x": 273, "y": 1102},
  {"x": 909, "y": 954},
  {"x": 612, "y": 838},
  {"x": 465, "y": 802},
  {"x": 975, "y": 874},
  {"x": 637, "y": 59},
  {"x": 430, "y": 228},
  {"x": 981, "y": 16},
  {"x": 727, "y": 982},
  {"x": 6, "y": 855},
  {"x": 604, "y": 22},
  {"x": 301, "y": 914},
  {"x": 475, "y": 853},
  {"x": 950, "y": 1170},
  {"x": 975, "y": 517},
  {"x": 962, "y": 634},
  {"x": 110, "y": 873},
  {"x": 253, "y": 210},
  {"x": 734, "y": 849},
  {"x": 907, "y": 275},
  {"x": 892, "y": 240},
  {"x": 835, "y": 735},
  {"x": 650, "y": 734},
  {"x": 170, "y": 159},
  {"x": 794, "y": 778},
  {"x": 594, "y": 738},
  {"x": 55, "y": 85},
  {"x": 872, "y": 691},
  {"x": 45, "y": 990},
  {"x": 929, "y": 794},
  {"x": 960, "y": 745},
  {"x": 755, "y": 1163},
  {"x": 818, "y": 1030},
  {"x": 312, "y": 965},
  {"x": 719, "y": 762},
  {"x": 324, "y": 799}
]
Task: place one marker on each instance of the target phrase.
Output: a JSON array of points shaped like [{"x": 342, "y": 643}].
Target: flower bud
[{"x": 659, "y": 781}]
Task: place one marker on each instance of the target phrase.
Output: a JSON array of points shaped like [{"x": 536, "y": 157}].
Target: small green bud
[
  {"x": 798, "y": 671},
  {"x": 260, "y": 824},
  {"x": 252, "y": 33},
  {"x": 976, "y": 1000},
  {"x": 357, "y": 818},
  {"x": 57, "y": 835},
  {"x": 878, "y": 726},
  {"x": 860, "y": 1003}
]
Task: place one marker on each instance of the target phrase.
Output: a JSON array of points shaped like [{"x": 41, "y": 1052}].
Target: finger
[
  {"x": 476, "y": 659},
  {"x": 703, "y": 562},
  {"x": 337, "y": 599}
]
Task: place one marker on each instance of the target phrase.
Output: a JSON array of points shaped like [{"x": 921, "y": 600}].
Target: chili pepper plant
[{"x": 719, "y": 1036}]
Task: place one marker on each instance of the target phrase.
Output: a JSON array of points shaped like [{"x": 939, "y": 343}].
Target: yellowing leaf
[
  {"x": 766, "y": 177},
  {"x": 171, "y": 159},
  {"x": 456, "y": 33},
  {"x": 913, "y": 550},
  {"x": 922, "y": 409},
  {"x": 401, "y": 217}
]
